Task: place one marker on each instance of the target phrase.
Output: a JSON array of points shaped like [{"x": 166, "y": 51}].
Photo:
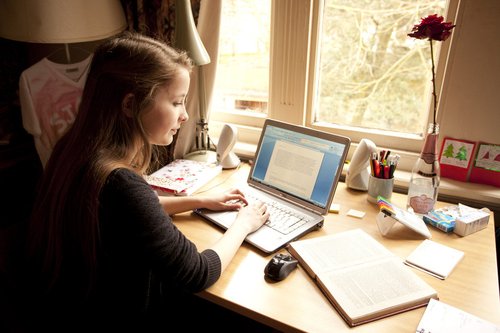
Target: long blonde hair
[{"x": 64, "y": 224}]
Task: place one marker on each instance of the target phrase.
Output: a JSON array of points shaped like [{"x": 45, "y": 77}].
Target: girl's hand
[
  {"x": 252, "y": 217},
  {"x": 231, "y": 200}
]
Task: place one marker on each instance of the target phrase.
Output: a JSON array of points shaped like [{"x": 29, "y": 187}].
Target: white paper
[
  {"x": 434, "y": 258},
  {"x": 440, "y": 317}
]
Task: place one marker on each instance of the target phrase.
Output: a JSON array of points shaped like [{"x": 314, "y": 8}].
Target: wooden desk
[{"x": 296, "y": 304}]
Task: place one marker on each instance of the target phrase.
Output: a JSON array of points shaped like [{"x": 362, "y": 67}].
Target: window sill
[{"x": 452, "y": 191}]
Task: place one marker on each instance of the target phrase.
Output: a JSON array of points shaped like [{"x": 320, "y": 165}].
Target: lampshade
[
  {"x": 60, "y": 21},
  {"x": 186, "y": 35}
]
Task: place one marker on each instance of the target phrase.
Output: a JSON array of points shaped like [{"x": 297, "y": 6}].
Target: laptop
[{"x": 297, "y": 169}]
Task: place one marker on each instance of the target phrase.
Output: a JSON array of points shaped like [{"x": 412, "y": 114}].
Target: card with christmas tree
[{"x": 456, "y": 158}]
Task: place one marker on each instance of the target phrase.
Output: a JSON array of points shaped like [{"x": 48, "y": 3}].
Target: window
[
  {"x": 242, "y": 82},
  {"x": 335, "y": 65},
  {"x": 371, "y": 74}
]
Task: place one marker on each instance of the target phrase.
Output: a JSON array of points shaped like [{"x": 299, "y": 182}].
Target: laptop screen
[{"x": 299, "y": 161}]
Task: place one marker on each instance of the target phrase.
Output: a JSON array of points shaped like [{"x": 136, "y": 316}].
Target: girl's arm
[
  {"x": 249, "y": 218},
  {"x": 231, "y": 200}
]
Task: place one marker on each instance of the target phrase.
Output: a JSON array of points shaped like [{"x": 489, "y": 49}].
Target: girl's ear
[{"x": 128, "y": 105}]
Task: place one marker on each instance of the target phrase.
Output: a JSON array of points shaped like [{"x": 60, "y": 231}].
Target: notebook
[{"x": 295, "y": 167}]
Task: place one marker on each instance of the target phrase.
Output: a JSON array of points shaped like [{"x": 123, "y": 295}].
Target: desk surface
[{"x": 296, "y": 304}]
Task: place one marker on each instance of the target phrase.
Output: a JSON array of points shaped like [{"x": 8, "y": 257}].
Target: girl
[{"x": 101, "y": 244}]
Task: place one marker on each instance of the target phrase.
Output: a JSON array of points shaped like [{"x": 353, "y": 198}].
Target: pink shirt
[{"x": 50, "y": 94}]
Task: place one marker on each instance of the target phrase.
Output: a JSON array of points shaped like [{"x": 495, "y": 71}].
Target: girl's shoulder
[
  {"x": 124, "y": 175},
  {"x": 127, "y": 182}
]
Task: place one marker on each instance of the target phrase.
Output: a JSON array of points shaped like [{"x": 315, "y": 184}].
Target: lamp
[
  {"x": 186, "y": 35},
  {"x": 60, "y": 21},
  {"x": 188, "y": 39}
]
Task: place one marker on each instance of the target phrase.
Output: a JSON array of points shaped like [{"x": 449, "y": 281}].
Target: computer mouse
[{"x": 280, "y": 266}]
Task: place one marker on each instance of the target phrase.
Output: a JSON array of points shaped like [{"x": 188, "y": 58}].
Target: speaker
[
  {"x": 225, "y": 155},
  {"x": 358, "y": 173}
]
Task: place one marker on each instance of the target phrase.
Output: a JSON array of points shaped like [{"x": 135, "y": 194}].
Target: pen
[
  {"x": 377, "y": 168},
  {"x": 382, "y": 165}
]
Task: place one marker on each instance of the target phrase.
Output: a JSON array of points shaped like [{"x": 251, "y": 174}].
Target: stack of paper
[
  {"x": 440, "y": 317},
  {"x": 436, "y": 259}
]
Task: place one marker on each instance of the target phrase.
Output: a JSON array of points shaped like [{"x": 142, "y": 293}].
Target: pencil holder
[{"x": 379, "y": 186}]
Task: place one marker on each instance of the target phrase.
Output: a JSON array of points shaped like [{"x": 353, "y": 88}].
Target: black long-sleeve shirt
[
  {"x": 143, "y": 252},
  {"x": 145, "y": 268}
]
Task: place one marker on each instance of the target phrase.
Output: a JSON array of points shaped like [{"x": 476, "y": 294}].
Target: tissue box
[
  {"x": 472, "y": 222},
  {"x": 461, "y": 219}
]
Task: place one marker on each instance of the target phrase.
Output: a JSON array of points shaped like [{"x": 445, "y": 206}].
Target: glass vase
[{"x": 425, "y": 176}]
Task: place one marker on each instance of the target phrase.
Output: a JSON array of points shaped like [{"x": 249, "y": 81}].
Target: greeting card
[
  {"x": 456, "y": 158},
  {"x": 486, "y": 169}
]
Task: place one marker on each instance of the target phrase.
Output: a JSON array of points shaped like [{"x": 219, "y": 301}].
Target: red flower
[{"x": 432, "y": 27}]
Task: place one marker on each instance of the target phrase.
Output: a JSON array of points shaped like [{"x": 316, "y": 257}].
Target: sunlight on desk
[{"x": 296, "y": 304}]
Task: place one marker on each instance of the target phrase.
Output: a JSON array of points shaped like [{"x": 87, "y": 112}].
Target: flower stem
[{"x": 433, "y": 82}]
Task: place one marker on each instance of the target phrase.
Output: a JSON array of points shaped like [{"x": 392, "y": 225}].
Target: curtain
[
  {"x": 153, "y": 18},
  {"x": 156, "y": 18}
]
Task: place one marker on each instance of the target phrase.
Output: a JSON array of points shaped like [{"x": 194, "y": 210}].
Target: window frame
[{"x": 295, "y": 28}]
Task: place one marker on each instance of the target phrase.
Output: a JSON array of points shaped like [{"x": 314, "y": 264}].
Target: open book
[{"x": 361, "y": 278}]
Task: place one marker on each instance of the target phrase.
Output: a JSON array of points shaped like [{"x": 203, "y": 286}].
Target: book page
[
  {"x": 375, "y": 289},
  {"x": 340, "y": 250}
]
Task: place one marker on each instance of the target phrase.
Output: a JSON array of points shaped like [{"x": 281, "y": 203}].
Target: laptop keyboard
[{"x": 281, "y": 218}]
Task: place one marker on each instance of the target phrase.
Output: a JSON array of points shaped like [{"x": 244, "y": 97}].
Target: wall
[{"x": 473, "y": 79}]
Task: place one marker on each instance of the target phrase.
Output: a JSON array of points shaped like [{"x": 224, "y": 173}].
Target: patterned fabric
[
  {"x": 155, "y": 18},
  {"x": 152, "y": 18}
]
